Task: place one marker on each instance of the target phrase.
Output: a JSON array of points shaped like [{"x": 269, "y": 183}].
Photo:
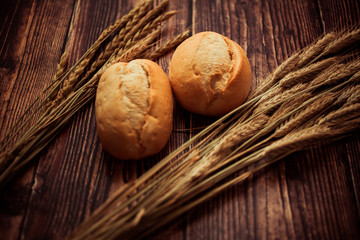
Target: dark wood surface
[{"x": 312, "y": 194}]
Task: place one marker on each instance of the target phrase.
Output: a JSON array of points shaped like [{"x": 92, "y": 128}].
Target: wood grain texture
[
  {"x": 313, "y": 194},
  {"x": 29, "y": 49}
]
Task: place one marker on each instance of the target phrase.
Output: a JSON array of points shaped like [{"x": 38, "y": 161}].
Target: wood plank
[
  {"x": 342, "y": 15},
  {"x": 353, "y": 154},
  {"x": 320, "y": 191},
  {"x": 28, "y": 61},
  {"x": 73, "y": 178},
  {"x": 310, "y": 194},
  {"x": 25, "y": 48},
  {"x": 339, "y": 15},
  {"x": 265, "y": 208}
]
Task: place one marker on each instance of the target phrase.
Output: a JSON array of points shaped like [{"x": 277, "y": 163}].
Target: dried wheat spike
[
  {"x": 116, "y": 41},
  {"x": 148, "y": 28},
  {"x": 268, "y": 103},
  {"x": 167, "y": 46},
  {"x": 272, "y": 79},
  {"x": 340, "y": 44},
  {"x": 311, "y": 53},
  {"x": 336, "y": 73},
  {"x": 349, "y": 96},
  {"x": 129, "y": 37},
  {"x": 297, "y": 140},
  {"x": 355, "y": 96},
  {"x": 341, "y": 114},
  {"x": 307, "y": 73},
  {"x": 139, "y": 47},
  {"x": 79, "y": 69},
  {"x": 311, "y": 109},
  {"x": 60, "y": 70}
]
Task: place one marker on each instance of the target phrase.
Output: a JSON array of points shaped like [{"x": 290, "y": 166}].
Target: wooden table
[{"x": 312, "y": 194}]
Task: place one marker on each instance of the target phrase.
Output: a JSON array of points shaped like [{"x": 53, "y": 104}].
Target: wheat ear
[
  {"x": 60, "y": 70},
  {"x": 164, "y": 48},
  {"x": 69, "y": 83},
  {"x": 307, "y": 73},
  {"x": 341, "y": 43},
  {"x": 117, "y": 45},
  {"x": 309, "y": 112},
  {"x": 114, "y": 44}
]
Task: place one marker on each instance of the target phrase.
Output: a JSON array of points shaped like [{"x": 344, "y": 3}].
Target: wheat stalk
[
  {"x": 71, "y": 81},
  {"x": 38, "y": 104},
  {"x": 311, "y": 53},
  {"x": 112, "y": 46},
  {"x": 309, "y": 112},
  {"x": 272, "y": 124},
  {"x": 60, "y": 71},
  {"x": 141, "y": 24},
  {"x": 307, "y": 73},
  {"x": 149, "y": 27},
  {"x": 50, "y": 123},
  {"x": 331, "y": 43},
  {"x": 341, "y": 43},
  {"x": 275, "y": 151},
  {"x": 35, "y": 141},
  {"x": 167, "y": 46}
]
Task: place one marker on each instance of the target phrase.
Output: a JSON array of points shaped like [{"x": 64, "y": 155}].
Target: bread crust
[
  {"x": 116, "y": 132},
  {"x": 191, "y": 92}
]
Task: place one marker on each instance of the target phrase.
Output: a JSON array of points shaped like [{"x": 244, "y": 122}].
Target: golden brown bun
[
  {"x": 210, "y": 74},
  {"x": 134, "y": 109}
]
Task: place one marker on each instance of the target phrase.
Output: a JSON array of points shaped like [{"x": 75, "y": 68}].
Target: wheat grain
[
  {"x": 307, "y": 73},
  {"x": 286, "y": 67},
  {"x": 279, "y": 73},
  {"x": 140, "y": 25},
  {"x": 337, "y": 73},
  {"x": 264, "y": 104},
  {"x": 349, "y": 96},
  {"x": 140, "y": 47},
  {"x": 300, "y": 118},
  {"x": 122, "y": 21},
  {"x": 289, "y": 103},
  {"x": 114, "y": 44},
  {"x": 340, "y": 44},
  {"x": 110, "y": 50},
  {"x": 355, "y": 96},
  {"x": 167, "y": 46},
  {"x": 226, "y": 145},
  {"x": 345, "y": 111},
  {"x": 148, "y": 28},
  {"x": 301, "y": 58},
  {"x": 297, "y": 61},
  {"x": 60, "y": 70},
  {"x": 39, "y": 135},
  {"x": 71, "y": 81},
  {"x": 307, "y": 137},
  {"x": 311, "y": 53},
  {"x": 291, "y": 114}
]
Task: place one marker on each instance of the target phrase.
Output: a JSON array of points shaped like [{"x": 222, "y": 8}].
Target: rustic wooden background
[{"x": 313, "y": 194}]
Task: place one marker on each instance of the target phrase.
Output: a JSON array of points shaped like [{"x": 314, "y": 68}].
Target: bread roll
[
  {"x": 134, "y": 108},
  {"x": 210, "y": 74}
]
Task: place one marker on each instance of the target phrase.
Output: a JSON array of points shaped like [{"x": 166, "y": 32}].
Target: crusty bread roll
[
  {"x": 134, "y": 109},
  {"x": 210, "y": 74}
]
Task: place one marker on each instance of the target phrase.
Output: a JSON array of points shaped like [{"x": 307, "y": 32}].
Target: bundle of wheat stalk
[
  {"x": 133, "y": 36},
  {"x": 312, "y": 97}
]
